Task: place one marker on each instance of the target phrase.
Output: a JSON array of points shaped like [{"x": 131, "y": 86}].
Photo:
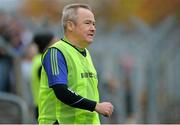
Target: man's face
[{"x": 84, "y": 29}]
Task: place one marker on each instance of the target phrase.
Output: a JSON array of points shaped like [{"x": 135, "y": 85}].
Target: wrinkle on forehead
[{"x": 85, "y": 14}]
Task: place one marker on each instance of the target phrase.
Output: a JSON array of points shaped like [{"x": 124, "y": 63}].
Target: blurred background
[{"x": 136, "y": 52}]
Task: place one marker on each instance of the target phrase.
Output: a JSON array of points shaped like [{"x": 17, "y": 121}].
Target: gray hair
[{"x": 69, "y": 13}]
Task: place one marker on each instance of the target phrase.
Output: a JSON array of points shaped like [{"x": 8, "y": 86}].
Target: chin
[{"x": 90, "y": 40}]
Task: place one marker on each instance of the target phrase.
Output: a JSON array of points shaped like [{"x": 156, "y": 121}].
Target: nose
[{"x": 93, "y": 28}]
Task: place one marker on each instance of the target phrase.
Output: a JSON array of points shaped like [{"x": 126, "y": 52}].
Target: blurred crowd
[
  {"x": 18, "y": 46},
  {"x": 15, "y": 41}
]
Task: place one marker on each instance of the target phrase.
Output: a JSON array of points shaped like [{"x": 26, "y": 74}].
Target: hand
[{"x": 104, "y": 108}]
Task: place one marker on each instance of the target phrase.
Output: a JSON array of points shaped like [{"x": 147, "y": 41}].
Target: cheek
[{"x": 82, "y": 32}]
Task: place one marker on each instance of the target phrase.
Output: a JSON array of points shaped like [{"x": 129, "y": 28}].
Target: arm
[
  {"x": 58, "y": 82},
  {"x": 72, "y": 99}
]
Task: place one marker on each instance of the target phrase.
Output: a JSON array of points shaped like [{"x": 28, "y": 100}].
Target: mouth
[{"x": 91, "y": 35}]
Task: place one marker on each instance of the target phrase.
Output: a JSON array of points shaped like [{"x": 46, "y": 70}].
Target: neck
[{"x": 72, "y": 40}]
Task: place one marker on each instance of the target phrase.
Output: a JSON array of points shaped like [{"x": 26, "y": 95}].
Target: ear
[{"x": 70, "y": 26}]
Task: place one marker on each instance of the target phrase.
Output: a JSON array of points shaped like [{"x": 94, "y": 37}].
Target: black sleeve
[{"x": 70, "y": 98}]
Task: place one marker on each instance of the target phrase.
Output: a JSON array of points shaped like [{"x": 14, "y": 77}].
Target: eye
[{"x": 87, "y": 22}]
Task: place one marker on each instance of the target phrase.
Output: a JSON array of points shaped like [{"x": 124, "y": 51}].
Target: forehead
[{"x": 85, "y": 14}]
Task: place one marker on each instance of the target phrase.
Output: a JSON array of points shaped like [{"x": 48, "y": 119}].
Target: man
[
  {"x": 68, "y": 90},
  {"x": 42, "y": 40}
]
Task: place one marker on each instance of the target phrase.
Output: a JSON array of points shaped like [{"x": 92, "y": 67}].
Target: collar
[{"x": 81, "y": 50}]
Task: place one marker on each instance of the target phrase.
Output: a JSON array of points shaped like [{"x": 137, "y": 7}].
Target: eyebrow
[{"x": 89, "y": 21}]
